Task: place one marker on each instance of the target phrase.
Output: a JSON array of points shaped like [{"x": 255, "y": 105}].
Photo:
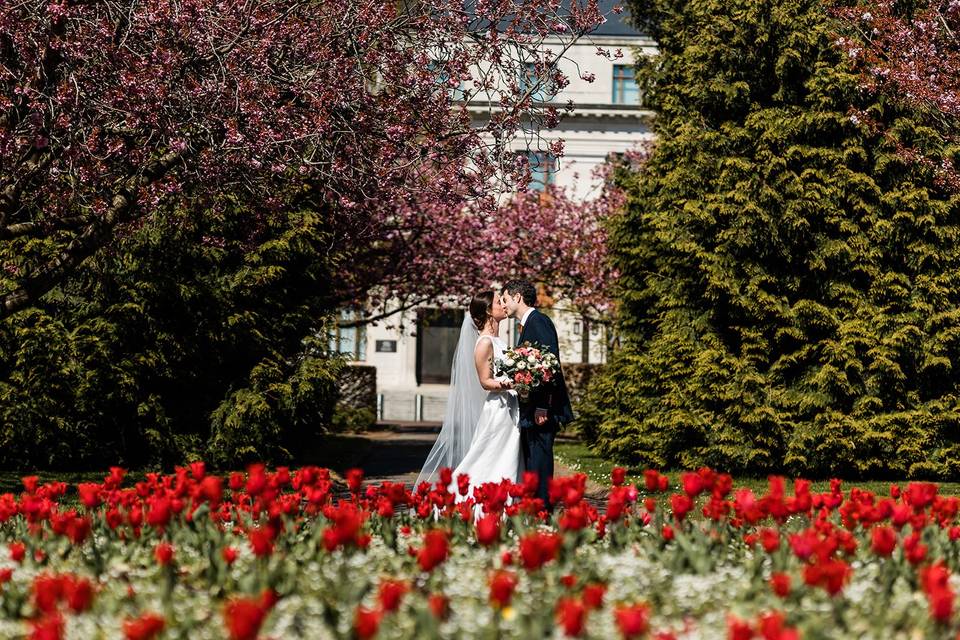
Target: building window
[
  {"x": 625, "y": 89},
  {"x": 442, "y": 79},
  {"x": 543, "y": 169},
  {"x": 541, "y": 90},
  {"x": 438, "y": 331},
  {"x": 349, "y": 342}
]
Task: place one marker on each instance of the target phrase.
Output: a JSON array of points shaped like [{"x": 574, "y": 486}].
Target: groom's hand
[{"x": 540, "y": 417}]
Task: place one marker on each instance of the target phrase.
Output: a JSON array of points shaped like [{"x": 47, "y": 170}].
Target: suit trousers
[{"x": 536, "y": 445}]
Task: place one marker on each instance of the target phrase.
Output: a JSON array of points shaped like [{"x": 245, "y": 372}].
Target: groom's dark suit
[{"x": 536, "y": 441}]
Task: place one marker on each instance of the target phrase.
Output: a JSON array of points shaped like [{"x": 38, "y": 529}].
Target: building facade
[{"x": 412, "y": 351}]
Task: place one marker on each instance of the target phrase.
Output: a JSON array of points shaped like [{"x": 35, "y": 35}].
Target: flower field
[{"x": 291, "y": 554}]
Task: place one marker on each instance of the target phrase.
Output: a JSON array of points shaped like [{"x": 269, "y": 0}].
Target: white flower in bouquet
[
  {"x": 521, "y": 365},
  {"x": 509, "y": 362}
]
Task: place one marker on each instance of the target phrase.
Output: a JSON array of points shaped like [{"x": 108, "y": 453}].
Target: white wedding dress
[{"x": 494, "y": 452}]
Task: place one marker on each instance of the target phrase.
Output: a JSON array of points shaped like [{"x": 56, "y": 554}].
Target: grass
[{"x": 579, "y": 457}]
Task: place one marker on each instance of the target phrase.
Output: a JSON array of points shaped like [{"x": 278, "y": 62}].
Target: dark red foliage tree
[
  {"x": 911, "y": 51},
  {"x": 111, "y": 111}
]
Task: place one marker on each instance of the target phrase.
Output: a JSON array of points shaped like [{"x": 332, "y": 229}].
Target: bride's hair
[{"x": 480, "y": 308}]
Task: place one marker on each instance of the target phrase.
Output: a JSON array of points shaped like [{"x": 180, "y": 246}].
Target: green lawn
[{"x": 579, "y": 457}]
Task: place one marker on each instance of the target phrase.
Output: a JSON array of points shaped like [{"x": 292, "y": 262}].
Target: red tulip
[
  {"x": 236, "y": 481},
  {"x": 772, "y": 626},
  {"x": 632, "y": 620},
  {"x": 935, "y": 581},
  {"x": 198, "y": 469},
  {"x": 920, "y": 495},
  {"x": 436, "y": 547},
  {"x": 89, "y": 493},
  {"x": 692, "y": 484},
  {"x": 941, "y": 605},
  {"x": 618, "y": 476},
  {"x": 48, "y": 627},
  {"x": 391, "y": 593},
  {"x": 229, "y": 555},
  {"x": 531, "y": 482},
  {"x": 651, "y": 479},
  {"x": 538, "y": 548},
  {"x": 780, "y": 583},
  {"x": 354, "y": 479},
  {"x": 367, "y": 622},
  {"x": 78, "y": 592},
  {"x": 574, "y": 518},
  {"x": 257, "y": 480},
  {"x": 261, "y": 540},
  {"x": 915, "y": 550},
  {"x": 244, "y": 616},
  {"x": 770, "y": 539},
  {"x": 115, "y": 478},
  {"x": 30, "y": 483},
  {"x": 163, "y": 553},
  {"x": 47, "y": 592},
  {"x": 211, "y": 489},
  {"x": 78, "y": 529},
  {"x": 17, "y": 551},
  {"x": 147, "y": 627},
  {"x": 159, "y": 512},
  {"x": 502, "y": 585},
  {"x": 593, "y": 595},
  {"x": 463, "y": 484},
  {"x": 488, "y": 529},
  {"x": 681, "y": 505},
  {"x": 439, "y": 605},
  {"x": 832, "y": 575},
  {"x": 571, "y": 616},
  {"x": 738, "y": 629},
  {"x": 883, "y": 540}
]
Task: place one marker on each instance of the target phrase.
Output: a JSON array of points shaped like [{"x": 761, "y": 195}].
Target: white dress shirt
[{"x": 526, "y": 316}]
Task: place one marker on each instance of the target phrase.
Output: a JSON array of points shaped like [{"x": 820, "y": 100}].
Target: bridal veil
[{"x": 464, "y": 404}]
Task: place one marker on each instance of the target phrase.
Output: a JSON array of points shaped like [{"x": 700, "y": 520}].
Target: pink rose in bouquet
[{"x": 528, "y": 366}]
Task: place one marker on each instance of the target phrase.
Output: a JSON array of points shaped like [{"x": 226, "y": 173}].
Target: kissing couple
[{"x": 489, "y": 432}]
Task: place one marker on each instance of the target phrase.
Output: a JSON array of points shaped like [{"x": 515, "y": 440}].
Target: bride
[{"x": 480, "y": 436}]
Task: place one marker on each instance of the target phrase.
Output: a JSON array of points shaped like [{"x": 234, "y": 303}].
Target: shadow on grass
[{"x": 336, "y": 452}]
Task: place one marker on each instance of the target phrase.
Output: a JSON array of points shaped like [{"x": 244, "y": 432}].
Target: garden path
[{"x": 396, "y": 454}]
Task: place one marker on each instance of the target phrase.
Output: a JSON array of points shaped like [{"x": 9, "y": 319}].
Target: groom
[{"x": 548, "y": 407}]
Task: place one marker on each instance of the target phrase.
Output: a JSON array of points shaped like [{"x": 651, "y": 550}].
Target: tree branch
[
  {"x": 87, "y": 243},
  {"x": 22, "y": 229}
]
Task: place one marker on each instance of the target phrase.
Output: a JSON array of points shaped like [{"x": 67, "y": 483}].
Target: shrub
[
  {"x": 183, "y": 343},
  {"x": 791, "y": 285}
]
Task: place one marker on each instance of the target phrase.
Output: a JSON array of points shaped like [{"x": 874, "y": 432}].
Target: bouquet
[{"x": 528, "y": 366}]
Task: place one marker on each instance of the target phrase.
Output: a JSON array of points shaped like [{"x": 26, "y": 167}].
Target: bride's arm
[{"x": 483, "y": 355}]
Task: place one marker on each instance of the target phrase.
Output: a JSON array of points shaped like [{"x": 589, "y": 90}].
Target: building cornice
[
  {"x": 580, "y": 110},
  {"x": 641, "y": 41}
]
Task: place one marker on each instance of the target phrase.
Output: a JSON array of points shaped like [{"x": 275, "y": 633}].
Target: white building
[{"x": 413, "y": 365}]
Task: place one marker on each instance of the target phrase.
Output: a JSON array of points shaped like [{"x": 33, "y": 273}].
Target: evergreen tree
[
  {"x": 791, "y": 284},
  {"x": 197, "y": 337}
]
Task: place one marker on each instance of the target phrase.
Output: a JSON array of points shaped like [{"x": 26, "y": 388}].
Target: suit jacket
[{"x": 554, "y": 397}]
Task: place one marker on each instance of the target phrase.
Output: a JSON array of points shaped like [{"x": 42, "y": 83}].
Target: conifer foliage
[{"x": 791, "y": 284}]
